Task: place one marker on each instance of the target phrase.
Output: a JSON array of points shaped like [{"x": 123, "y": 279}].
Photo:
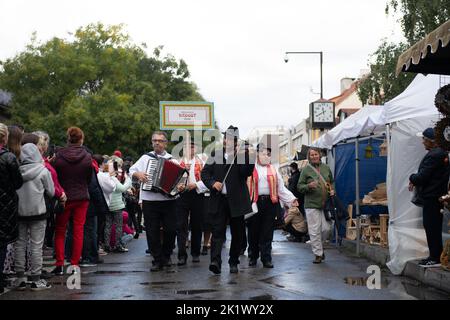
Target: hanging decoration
[{"x": 368, "y": 151}]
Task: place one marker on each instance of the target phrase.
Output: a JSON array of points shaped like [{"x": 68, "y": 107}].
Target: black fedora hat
[{"x": 232, "y": 131}]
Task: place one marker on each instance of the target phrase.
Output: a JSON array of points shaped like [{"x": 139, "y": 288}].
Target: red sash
[
  {"x": 197, "y": 168},
  {"x": 252, "y": 184}
]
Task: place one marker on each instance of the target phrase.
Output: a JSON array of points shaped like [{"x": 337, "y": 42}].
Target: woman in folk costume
[
  {"x": 316, "y": 182},
  {"x": 190, "y": 208},
  {"x": 266, "y": 190}
]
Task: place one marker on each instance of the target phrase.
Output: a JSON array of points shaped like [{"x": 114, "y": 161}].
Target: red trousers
[{"x": 76, "y": 209}]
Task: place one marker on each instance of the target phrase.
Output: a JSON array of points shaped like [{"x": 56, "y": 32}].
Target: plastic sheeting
[
  {"x": 407, "y": 240},
  {"x": 368, "y": 120},
  {"x": 373, "y": 170}
]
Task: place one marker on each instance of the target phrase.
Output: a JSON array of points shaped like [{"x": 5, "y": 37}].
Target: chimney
[{"x": 346, "y": 83}]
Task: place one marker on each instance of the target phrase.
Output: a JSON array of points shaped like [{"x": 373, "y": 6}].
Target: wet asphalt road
[{"x": 126, "y": 276}]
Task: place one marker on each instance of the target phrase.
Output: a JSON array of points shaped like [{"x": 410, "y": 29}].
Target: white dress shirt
[
  {"x": 284, "y": 195},
  {"x": 201, "y": 188}
]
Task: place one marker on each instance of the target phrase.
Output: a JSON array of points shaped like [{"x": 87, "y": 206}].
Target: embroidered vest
[
  {"x": 252, "y": 184},
  {"x": 197, "y": 168}
]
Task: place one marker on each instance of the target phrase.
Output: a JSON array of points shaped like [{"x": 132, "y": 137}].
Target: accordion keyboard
[{"x": 151, "y": 169}]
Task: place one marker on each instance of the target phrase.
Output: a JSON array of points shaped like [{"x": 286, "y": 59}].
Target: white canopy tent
[
  {"x": 407, "y": 114},
  {"x": 404, "y": 116},
  {"x": 368, "y": 120}
]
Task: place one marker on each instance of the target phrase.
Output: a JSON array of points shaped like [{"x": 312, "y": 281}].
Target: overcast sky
[{"x": 234, "y": 48}]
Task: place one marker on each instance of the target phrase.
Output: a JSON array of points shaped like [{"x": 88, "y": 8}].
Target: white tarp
[
  {"x": 416, "y": 101},
  {"x": 407, "y": 240},
  {"x": 409, "y": 113},
  {"x": 368, "y": 120}
]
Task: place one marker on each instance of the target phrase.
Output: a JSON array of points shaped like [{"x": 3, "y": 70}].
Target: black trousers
[
  {"x": 101, "y": 229},
  {"x": 260, "y": 229},
  {"x": 157, "y": 214},
  {"x": 3, "y": 252},
  {"x": 219, "y": 221},
  {"x": 50, "y": 231},
  {"x": 432, "y": 223},
  {"x": 189, "y": 205}
]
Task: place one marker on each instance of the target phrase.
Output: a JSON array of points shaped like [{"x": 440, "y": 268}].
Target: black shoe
[
  {"x": 214, "y": 267},
  {"x": 204, "y": 251},
  {"x": 147, "y": 252},
  {"x": 156, "y": 268},
  {"x": 120, "y": 249},
  {"x": 252, "y": 263},
  {"x": 58, "y": 271},
  {"x": 268, "y": 265},
  {"x": 195, "y": 259},
  {"x": 181, "y": 261},
  {"x": 430, "y": 264},
  {"x": 234, "y": 268},
  {"x": 136, "y": 235},
  {"x": 168, "y": 263},
  {"x": 46, "y": 275}
]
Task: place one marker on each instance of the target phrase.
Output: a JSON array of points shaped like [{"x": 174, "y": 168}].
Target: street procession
[{"x": 224, "y": 156}]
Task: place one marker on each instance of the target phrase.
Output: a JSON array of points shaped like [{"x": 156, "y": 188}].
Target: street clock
[{"x": 322, "y": 115}]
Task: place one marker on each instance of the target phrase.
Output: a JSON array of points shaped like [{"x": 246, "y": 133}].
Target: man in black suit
[{"x": 230, "y": 199}]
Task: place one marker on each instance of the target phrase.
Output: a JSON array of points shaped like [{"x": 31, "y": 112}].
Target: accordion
[{"x": 164, "y": 176}]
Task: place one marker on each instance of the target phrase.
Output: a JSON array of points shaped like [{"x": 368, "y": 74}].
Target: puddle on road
[
  {"x": 112, "y": 272},
  {"x": 195, "y": 291},
  {"x": 54, "y": 283},
  {"x": 159, "y": 283},
  {"x": 263, "y": 297},
  {"x": 273, "y": 282},
  {"x": 362, "y": 281},
  {"x": 80, "y": 293}
]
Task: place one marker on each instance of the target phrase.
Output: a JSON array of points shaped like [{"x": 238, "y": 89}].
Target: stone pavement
[{"x": 127, "y": 276}]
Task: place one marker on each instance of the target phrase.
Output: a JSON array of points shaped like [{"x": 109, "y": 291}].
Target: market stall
[
  {"x": 407, "y": 114},
  {"x": 356, "y": 145}
]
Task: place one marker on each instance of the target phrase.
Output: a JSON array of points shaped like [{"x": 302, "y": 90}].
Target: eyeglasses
[{"x": 158, "y": 140}]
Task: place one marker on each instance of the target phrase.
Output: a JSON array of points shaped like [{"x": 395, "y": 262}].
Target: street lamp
[{"x": 286, "y": 59}]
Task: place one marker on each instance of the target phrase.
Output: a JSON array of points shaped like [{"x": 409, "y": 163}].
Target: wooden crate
[
  {"x": 351, "y": 233},
  {"x": 384, "y": 220}
]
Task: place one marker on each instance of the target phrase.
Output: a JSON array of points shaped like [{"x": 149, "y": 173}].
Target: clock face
[{"x": 323, "y": 112}]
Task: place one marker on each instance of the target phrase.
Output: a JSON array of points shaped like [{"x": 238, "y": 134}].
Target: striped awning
[{"x": 430, "y": 55}]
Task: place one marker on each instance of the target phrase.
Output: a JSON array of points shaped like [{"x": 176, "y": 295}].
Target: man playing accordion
[{"x": 159, "y": 208}]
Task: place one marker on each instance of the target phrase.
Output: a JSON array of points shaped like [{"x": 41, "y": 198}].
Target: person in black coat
[
  {"x": 430, "y": 183},
  {"x": 230, "y": 199},
  {"x": 97, "y": 207},
  {"x": 292, "y": 186},
  {"x": 10, "y": 181}
]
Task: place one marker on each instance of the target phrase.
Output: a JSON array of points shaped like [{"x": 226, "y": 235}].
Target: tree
[
  {"x": 381, "y": 85},
  {"x": 419, "y": 17},
  {"x": 99, "y": 81}
]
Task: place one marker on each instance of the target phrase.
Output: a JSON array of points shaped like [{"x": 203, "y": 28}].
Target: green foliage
[
  {"x": 419, "y": 17},
  {"x": 381, "y": 85},
  {"x": 99, "y": 81}
]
